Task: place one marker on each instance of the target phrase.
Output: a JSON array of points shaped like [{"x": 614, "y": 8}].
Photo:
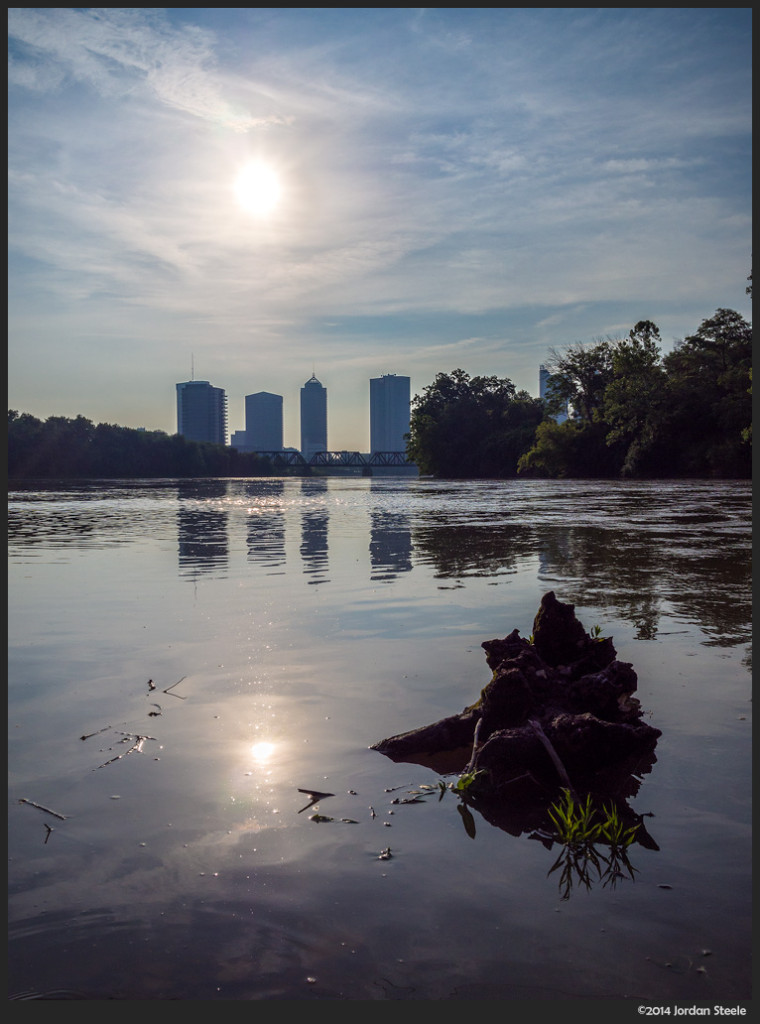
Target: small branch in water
[
  {"x": 170, "y": 688},
  {"x": 553, "y": 755},
  {"x": 136, "y": 746},
  {"x": 88, "y": 735},
  {"x": 23, "y": 800},
  {"x": 475, "y": 744},
  {"x": 315, "y": 797}
]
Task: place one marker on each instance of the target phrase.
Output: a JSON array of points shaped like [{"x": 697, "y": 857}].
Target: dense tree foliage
[
  {"x": 633, "y": 412},
  {"x": 580, "y": 376},
  {"x": 709, "y": 403},
  {"x": 68, "y": 448},
  {"x": 638, "y": 413},
  {"x": 464, "y": 426},
  {"x": 632, "y": 405}
]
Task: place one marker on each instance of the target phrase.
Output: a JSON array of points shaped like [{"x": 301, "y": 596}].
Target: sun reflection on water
[{"x": 263, "y": 752}]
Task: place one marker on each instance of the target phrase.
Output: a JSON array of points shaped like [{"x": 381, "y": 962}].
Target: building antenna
[{"x": 192, "y": 366}]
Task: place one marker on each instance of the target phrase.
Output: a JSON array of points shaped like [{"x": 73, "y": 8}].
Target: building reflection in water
[
  {"x": 390, "y": 545},
  {"x": 202, "y": 527},
  {"x": 314, "y": 523},
  {"x": 265, "y": 524}
]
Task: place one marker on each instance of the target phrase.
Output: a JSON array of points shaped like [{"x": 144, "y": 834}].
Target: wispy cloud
[{"x": 125, "y": 52}]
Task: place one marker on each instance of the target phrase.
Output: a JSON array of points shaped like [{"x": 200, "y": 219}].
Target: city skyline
[
  {"x": 388, "y": 407},
  {"x": 255, "y": 194}
]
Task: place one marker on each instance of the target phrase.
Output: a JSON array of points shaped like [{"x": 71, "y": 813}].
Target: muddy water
[{"x": 185, "y": 656}]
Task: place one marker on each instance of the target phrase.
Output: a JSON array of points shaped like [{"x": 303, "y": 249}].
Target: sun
[{"x": 258, "y": 189}]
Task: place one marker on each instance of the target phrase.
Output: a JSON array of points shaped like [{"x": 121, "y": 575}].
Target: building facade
[
  {"x": 389, "y": 404},
  {"x": 237, "y": 440},
  {"x": 201, "y": 412},
  {"x": 313, "y": 418},
  {"x": 263, "y": 422}
]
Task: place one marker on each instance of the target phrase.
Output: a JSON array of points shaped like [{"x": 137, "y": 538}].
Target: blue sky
[{"x": 458, "y": 187}]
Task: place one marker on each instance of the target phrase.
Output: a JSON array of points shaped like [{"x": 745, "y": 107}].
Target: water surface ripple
[{"x": 186, "y": 655}]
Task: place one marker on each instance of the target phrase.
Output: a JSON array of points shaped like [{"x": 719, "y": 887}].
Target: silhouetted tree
[
  {"x": 580, "y": 376},
  {"x": 464, "y": 426},
  {"x": 685, "y": 414},
  {"x": 708, "y": 398},
  {"x": 633, "y": 405},
  {"x": 65, "y": 448}
]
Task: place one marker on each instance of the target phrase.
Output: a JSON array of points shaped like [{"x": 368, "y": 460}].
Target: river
[{"x": 187, "y": 656}]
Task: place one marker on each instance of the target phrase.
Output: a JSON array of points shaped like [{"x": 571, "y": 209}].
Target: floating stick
[
  {"x": 23, "y": 800},
  {"x": 170, "y": 688}
]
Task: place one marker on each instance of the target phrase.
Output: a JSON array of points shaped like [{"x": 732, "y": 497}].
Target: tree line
[
  {"x": 631, "y": 412},
  {"x": 76, "y": 448}
]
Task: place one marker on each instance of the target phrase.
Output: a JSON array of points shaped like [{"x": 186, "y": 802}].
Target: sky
[{"x": 428, "y": 189}]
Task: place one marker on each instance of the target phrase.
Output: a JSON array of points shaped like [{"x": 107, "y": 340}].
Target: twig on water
[
  {"x": 315, "y": 795},
  {"x": 23, "y": 800},
  {"x": 89, "y": 735},
  {"x": 170, "y": 688},
  {"x": 136, "y": 746}
]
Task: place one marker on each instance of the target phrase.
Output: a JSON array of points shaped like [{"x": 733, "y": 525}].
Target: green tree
[
  {"x": 24, "y": 433},
  {"x": 471, "y": 427},
  {"x": 577, "y": 447},
  {"x": 65, "y": 448},
  {"x": 634, "y": 398},
  {"x": 708, "y": 400},
  {"x": 574, "y": 449},
  {"x": 580, "y": 375}
]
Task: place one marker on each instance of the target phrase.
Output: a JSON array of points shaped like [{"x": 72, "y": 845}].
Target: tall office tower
[
  {"x": 389, "y": 398},
  {"x": 263, "y": 422},
  {"x": 545, "y": 391},
  {"x": 313, "y": 418},
  {"x": 201, "y": 412}
]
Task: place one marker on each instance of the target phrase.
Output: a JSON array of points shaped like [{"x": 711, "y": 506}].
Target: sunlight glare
[
  {"x": 258, "y": 189},
  {"x": 262, "y": 752}
]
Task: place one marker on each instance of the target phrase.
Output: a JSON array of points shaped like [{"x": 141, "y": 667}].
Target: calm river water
[{"x": 185, "y": 656}]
